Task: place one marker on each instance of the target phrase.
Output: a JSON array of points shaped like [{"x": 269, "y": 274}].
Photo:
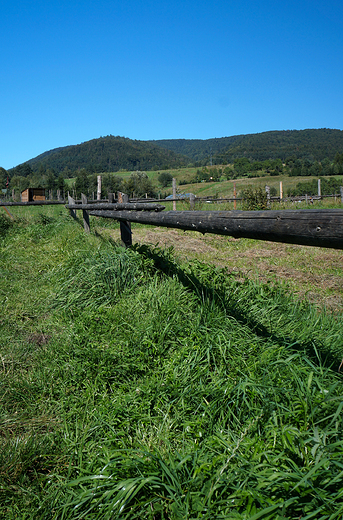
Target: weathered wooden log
[
  {"x": 323, "y": 227},
  {"x": 71, "y": 201},
  {"x": 34, "y": 203},
  {"x": 85, "y": 214},
  {"x": 127, "y": 206}
]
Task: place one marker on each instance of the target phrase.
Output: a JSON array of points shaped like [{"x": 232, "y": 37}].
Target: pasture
[{"x": 185, "y": 382}]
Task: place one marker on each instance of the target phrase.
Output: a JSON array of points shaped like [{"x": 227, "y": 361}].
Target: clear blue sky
[{"x": 159, "y": 69}]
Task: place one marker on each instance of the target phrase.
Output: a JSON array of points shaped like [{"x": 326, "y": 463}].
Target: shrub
[
  {"x": 254, "y": 199},
  {"x": 165, "y": 179}
]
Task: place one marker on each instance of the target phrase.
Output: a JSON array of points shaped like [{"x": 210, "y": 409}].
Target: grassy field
[
  {"x": 223, "y": 189},
  {"x": 154, "y": 383}
]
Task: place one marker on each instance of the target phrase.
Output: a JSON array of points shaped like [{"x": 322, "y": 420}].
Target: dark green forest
[
  {"x": 107, "y": 154},
  {"x": 311, "y": 144},
  {"x": 199, "y": 150}
]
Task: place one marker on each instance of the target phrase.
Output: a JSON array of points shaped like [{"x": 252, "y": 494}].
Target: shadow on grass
[{"x": 164, "y": 262}]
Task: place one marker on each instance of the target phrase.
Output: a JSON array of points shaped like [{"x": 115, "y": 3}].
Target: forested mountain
[
  {"x": 107, "y": 154},
  {"x": 199, "y": 149},
  {"x": 312, "y": 144},
  {"x": 111, "y": 154},
  {"x": 295, "y": 152}
]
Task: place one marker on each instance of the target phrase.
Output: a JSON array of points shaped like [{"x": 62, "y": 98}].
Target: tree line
[
  {"x": 244, "y": 167},
  {"x": 23, "y": 177},
  {"x": 137, "y": 184},
  {"x": 329, "y": 186}
]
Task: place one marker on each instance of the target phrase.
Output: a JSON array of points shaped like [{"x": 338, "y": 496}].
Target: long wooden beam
[
  {"x": 119, "y": 206},
  {"x": 34, "y": 203},
  {"x": 323, "y": 227}
]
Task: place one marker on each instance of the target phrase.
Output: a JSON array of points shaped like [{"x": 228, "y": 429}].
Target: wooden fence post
[
  {"x": 125, "y": 225},
  {"x": 341, "y": 189},
  {"x": 234, "y": 196},
  {"x": 191, "y": 201},
  {"x": 319, "y": 189},
  {"x": 85, "y": 214},
  {"x": 268, "y": 195},
  {"x": 71, "y": 211},
  {"x": 98, "y": 195},
  {"x": 281, "y": 191},
  {"x": 174, "y": 194},
  {"x": 110, "y": 197}
]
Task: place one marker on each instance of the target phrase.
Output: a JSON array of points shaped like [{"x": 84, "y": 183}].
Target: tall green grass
[{"x": 136, "y": 387}]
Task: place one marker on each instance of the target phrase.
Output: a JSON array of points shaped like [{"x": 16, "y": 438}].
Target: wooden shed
[{"x": 31, "y": 194}]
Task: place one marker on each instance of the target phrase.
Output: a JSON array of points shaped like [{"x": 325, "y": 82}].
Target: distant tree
[
  {"x": 338, "y": 164},
  {"x": 50, "y": 180},
  {"x": 256, "y": 166},
  {"x": 82, "y": 182},
  {"x": 138, "y": 185},
  {"x": 315, "y": 169},
  {"x": 23, "y": 170},
  {"x": 306, "y": 165},
  {"x": 326, "y": 166},
  {"x": 215, "y": 174},
  {"x": 228, "y": 172},
  {"x": 19, "y": 183},
  {"x": 41, "y": 170},
  {"x": 278, "y": 167},
  {"x": 110, "y": 182},
  {"x": 202, "y": 175},
  {"x": 165, "y": 179},
  {"x": 3, "y": 177},
  {"x": 338, "y": 158},
  {"x": 267, "y": 165},
  {"x": 60, "y": 182},
  {"x": 295, "y": 169},
  {"x": 242, "y": 165}
]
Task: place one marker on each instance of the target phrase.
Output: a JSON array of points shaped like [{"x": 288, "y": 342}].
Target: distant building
[{"x": 32, "y": 194}]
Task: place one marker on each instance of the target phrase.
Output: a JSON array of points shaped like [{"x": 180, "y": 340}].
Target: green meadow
[{"x": 138, "y": 384}]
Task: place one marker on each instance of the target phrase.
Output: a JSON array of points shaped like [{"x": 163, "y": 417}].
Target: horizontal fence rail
[
  {"x": 130, "y": 206},
  {"x": 323, "y": 228},
  {"x": 34, "y": 203}
]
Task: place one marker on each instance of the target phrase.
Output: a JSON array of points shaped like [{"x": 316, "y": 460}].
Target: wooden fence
[{"x": 323, "y": 227}]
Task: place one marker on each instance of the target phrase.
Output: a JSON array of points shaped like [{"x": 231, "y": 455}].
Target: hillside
[
  {"x": 112, "y": 154},
  {"x": 313, "y": 144},
  {"x": 199, "y": 149},
  {"x": 108, "y": 154}
]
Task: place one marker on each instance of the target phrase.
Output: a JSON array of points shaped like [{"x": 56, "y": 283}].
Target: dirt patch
[
  {"x": 39, "y": 339},
  {"x": 181, "y": 242}
]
